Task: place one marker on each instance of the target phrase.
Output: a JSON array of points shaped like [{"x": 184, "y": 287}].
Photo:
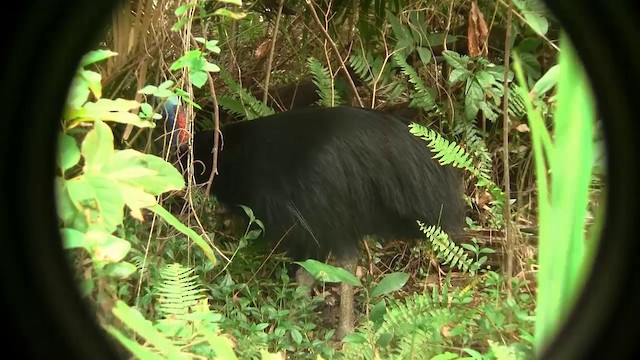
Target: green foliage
[
  {"x": 450, "y": 153},
  {"x": 378, "y": 73},
  {"x": 421, "y": 97},
  {"x": 447, "y": 250},
  {"x": 563, "y": 196},
  {"x": 324, "y": 81},
  {"x": 328, "y": 273},
  {"x": 430, "y": 325},
  {"x": 269, "y": 312},
  {"x": 178, "y": 291},
  {"x": 197, "y": 66},
  {"x": 96, "y": 182},
  {"x": 241, "y": 102},
  {"x": 446, "y": 152},
  {"x": 482, "y": 80},
  {"x": 189, "y": 329}
]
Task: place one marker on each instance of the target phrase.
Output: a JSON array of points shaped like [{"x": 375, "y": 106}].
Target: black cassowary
[{"x": 328, "y": 177}]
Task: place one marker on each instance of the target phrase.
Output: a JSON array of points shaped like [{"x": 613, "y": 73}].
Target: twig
[
  {"x": 274, "y": 38},
  {"x": 216, "y": 124},
  {"x": 334, "y": 47},
  {"x": 505, "y": 154}
]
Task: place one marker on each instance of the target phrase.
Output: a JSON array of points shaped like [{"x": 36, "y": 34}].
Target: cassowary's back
[{"x": 329, "y": 176}]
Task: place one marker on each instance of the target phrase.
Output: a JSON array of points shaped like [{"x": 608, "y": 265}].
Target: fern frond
[
  {"x": 421, "y": 97},
  {"x": 242, "y": 102},
  {"x": 329, "y": 96},
  {"x": 445, "y": 151},
  {"x": 445, "y": 249},
  {"x": 178, "y": 292}
]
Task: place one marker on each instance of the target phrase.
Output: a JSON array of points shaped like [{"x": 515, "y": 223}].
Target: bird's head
[{"x": 175, "y": 122}]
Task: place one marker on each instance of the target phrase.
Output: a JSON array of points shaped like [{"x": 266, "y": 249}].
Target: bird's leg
[
  {"x": 347, "y": 316},
  {"x": 303, "y": 278}
]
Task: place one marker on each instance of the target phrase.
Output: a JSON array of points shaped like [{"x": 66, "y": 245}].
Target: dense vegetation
[{"x": 171, "y": 276}]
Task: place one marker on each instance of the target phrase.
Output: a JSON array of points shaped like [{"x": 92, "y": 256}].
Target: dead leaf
[
  {"x": 477, "y": 32},
  {"x": 522, "y": 128},
  {"x": 262, "y": 49}
]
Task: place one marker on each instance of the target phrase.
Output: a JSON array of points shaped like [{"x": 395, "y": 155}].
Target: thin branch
[
  {"x": 505, "y": 155},
  {"x": 216, "y": 124},
  {"x": 271, "y": 53},
  {"x": 334, "y": 47}
]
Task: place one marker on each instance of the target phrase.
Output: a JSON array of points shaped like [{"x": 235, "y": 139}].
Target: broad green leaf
[
  {"x": 328, "y": 273},
  {"x": 146, "y": 111},
  {"x": 96, "y": 56},
  {"x": 458, "y": 75},
  {"x": 180, "y": 24},
  {"x": 296, "y": 336},
  {"x": 210, "y": 67},
  {"x": 253, "y": 234},
  {"x": 106, "y": 205},
  {"x": 198, "y": 78},
  {"x": 390, "y": 283},
  {"x": 168, "y": 217},
  {"x": 136, "y": 199},
  {"x": 354, "y": 338},
  {"x": 230, "y": 14},
  {"x": 111, "y": 110},
  {"x": 67, "y": 212},
  {"x": 378, "y": 312},
  {"x": 455, "y": 60},
  {"x": 148, "y": 90},
  {"x": 94, "y": 82},
  {"x": 447, "y": 355},
  {"x": 212, "y": 45},
  {"x": 474, "y": 96},
  {"x": 105, "y": 247},
  {"x": 232, "y": 2},
  {"x": 384, "y": 339},
  {"x": 190, "y": 60},
  {"x": 401, "y": 33},
  {"x": 538, "y": 23},
  {"x": 425, "y": 55},
  {"x": 531, "y": 65},
  {"x": 266, "y": 355},
  {"x": 68, "y": 152},
  {"x": 164, "y": 93},
  {"x": 166, "y": 85},
  {"x": 474, "y": 353},
  {"x": 78, "y": 94},
  {"x": 182, "y": 9},
  {"x": 547, "y": 81},
  {"x": 121, "y": 270},
  {"x": 146, "y": 171},
  {"x": 72, "y": 238},
  {"x": 97, "y": 147},
  {"x": 143, "y": 327},
  {"x": 247, "y": 210},
  {"x": 139, "y": 351},
  {"x": 485, "y": 79},
  {"x": 221, "y": 345}
]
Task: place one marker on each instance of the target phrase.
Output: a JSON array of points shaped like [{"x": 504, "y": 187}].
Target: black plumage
[{"x": 328, "y": 177}]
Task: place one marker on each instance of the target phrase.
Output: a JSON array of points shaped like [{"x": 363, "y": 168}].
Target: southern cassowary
[{"x": 321, "y": 179}]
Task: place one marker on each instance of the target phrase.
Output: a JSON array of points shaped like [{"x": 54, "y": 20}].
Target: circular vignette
[
  {"x": 45, "y": 312},
  {"x": 45, "y": 40},
  {"x": 605, "y": 34}
]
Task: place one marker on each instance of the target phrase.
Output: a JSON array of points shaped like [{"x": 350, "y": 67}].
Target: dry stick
[
  {"x": 274, "y": 38},
  {"x": 216, "y": 124},
  {"x": 505, "y": 149},
  {"x": 334, "y": 47},
  {"x": 216, "y": 134}
]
